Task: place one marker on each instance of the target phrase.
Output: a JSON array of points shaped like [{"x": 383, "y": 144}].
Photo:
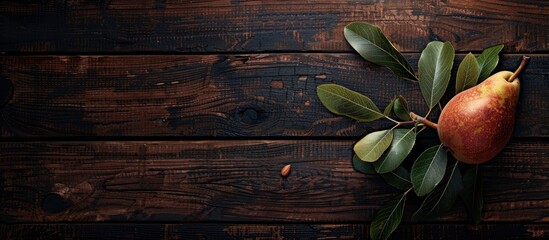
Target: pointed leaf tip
[
  {"x": 368, "y": 40},
  {"x": 388, "y": 218},
  {"x": 467, "y": 74},
  {"x": 389, "y": 107},
  {"x": 488, "y": 60},
  {"x": 435, "y": 66},
  {"x": 343, "y": 101}
]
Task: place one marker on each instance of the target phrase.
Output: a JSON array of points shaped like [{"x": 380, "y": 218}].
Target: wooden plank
[
  {"x": 235, "y": 181},
  {"x": 448, "y": 231},
  {"x": 217, "y": 95},
  {"x": 236, "y": 26}
]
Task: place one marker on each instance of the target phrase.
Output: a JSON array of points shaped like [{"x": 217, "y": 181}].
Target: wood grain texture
[
  {"x": 235, "y": 181},
  {"x": 223, "y": 25},
  {"x": 218, "y": 95},
  {"x": 505, "y": 231},
  {"x": 194, "y": 70}
]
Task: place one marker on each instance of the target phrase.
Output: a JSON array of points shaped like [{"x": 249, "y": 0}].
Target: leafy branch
[{"x": 384, "y": 151}]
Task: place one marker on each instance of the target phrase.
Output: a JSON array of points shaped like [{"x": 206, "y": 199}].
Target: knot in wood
[
  {"x": 251, "y": 115},
  {"x": 55, "y": 203},
  {"x": 6, "y": 91}
]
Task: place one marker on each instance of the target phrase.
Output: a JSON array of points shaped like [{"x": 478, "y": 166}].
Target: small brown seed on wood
[{"x": 285, "y": 170}]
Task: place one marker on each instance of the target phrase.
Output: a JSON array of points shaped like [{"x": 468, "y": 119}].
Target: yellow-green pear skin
[{"x": 477, "y": 123}]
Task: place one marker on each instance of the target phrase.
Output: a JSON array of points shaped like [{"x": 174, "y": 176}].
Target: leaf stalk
[
  {"x": 392, "y": 120},
  {"x": 407, "y": 191},
  {"x": 406, "y": 123}
]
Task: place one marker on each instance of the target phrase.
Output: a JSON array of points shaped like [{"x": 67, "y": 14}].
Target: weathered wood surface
[
  {"x": 217, "y": 95},
  {"x": 223, "y": 25},
  {"x": 221, "y": 86},
  {"x": 235, "y": 181},
  {"x": 449, "y": 231}
]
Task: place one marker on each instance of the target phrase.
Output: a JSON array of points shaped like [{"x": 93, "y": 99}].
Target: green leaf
[
  {"x": 368, "y": 40},
  {"x": 401, "y": 109},
  {"x": 488, "y": 60},
  {"x": 362, "y": 166},
  {"x": 388, "y": 218},
  {"x": 467, "y": 74},
  {"x": 371, "y": 147},
  {"x": 342, "y": 101},
  {"x": 443, "y": 197},
  {"x": 472, "y": 194},
  {"x": 389, "y": 107},
  {"x": 428, "y": 170},
  {"x": 403, "y": 142},
  {"x": 435, "y": 66},
  {"x": 398, "y": 178}
]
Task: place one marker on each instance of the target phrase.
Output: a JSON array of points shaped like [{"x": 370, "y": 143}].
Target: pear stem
[
  {"x": 519, "y": 69},
  {"x": 421, "y": 119}
]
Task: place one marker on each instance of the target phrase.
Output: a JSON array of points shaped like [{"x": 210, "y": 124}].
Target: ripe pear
[{"x": 477, "y": 123}]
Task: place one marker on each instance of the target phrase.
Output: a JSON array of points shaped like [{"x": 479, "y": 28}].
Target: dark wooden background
[{"x": 172, "y": 119}]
